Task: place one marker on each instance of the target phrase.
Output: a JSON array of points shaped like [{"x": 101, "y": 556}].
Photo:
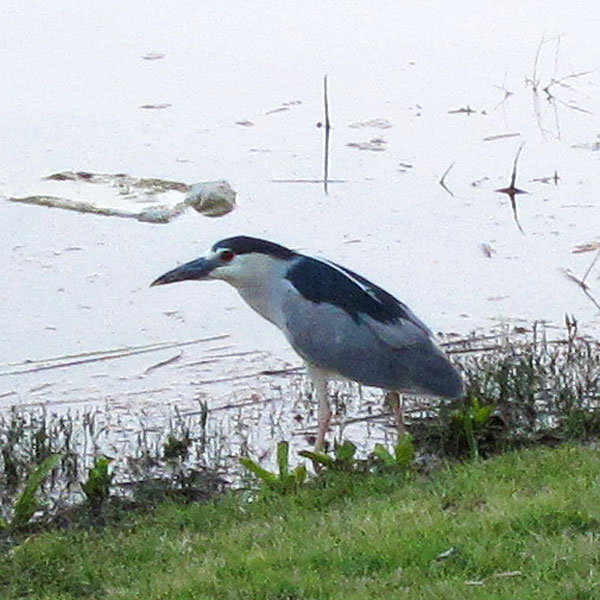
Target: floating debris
[
  {"x": 487, "y": 250},
  {"x": 77, "y": 205},
  {"x": 500, "y": 136},
  {"x": 374, "y": 145},
  {"x": 282, "y": 108},
  {"x": 591, "y": 146},
  {"x": 211, "y": 198},
  {"x": 154, "y": 214},
  {"x": 122, "y": 180},
  {"x": 153, "y": 56},
  {"x": 159, "y": 106},
  {"x": 555, "y": 178},
  {"x": 479, "y": 182},
  {"x": 375, "y": 123},
  {"x": 277, "y": 110},
  {"x": 589, "y": 247},
  {"x": 466, "y": 110},
  {"x": 160, "y": 214}
]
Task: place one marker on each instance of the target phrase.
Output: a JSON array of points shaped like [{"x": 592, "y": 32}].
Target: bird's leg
[
  {"x": 324, "y": 414},
  {"x": 323, "y": 419},
  {"x": 397, "y": 403}
]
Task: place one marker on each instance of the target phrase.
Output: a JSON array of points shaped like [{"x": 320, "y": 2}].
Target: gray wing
[
  {"x": 395, "y": 356},
  {"x": 341, "y": 322}
]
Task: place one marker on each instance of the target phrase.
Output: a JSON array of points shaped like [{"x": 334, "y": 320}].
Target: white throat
[{"x": 260, "y": 280}]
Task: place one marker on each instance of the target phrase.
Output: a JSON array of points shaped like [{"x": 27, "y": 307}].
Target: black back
[{"x": 320, "y": 281}]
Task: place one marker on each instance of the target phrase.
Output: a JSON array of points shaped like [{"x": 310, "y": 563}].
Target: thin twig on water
[
  {"x": 327, "y": 130},
  {"x": 512, "y": 191},
  {"x": 581, "y": 282},
  {"x": 442, "y": 181},
  {"x": 164, "y": 363},
  {"x": 589, "y": 270},
  {"x": 70, "y": 360},
  {"x": 583, "y": 285}
]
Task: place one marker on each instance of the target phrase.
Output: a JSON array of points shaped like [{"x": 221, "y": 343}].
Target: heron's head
[{"x": 237, "y": 260}]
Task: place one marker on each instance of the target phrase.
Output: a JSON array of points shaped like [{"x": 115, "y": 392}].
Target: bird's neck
[
  {"x": 260, "y": 298},
  {"x": 264, "y": 290}
]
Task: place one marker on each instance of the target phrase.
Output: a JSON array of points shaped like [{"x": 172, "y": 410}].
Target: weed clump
[
  {"x": 521, "y": 389},
  {"x": 63, "y": 459}
]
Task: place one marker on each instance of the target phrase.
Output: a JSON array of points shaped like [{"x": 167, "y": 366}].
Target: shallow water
[{"x": 237, "y": 92}]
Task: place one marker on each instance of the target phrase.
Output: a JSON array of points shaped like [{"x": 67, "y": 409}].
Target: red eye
[{"x": 227, "y": 255}]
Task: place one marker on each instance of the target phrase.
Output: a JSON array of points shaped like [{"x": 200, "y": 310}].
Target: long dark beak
[{"x": 197, "y": 269}]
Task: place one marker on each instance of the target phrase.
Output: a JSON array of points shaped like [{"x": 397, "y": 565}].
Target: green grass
[{"x": 524, "y": 525}]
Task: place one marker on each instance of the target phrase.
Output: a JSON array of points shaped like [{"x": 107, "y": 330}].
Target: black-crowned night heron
[{"x": 341, "y": 324}]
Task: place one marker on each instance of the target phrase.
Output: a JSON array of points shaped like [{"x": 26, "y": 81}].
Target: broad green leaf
[
  {"x": 27, "y": 503},
  {"x": 345, "y": 451},
  {"x": 318, "y": 457},
  {"x": 253, "y": 467},
  {"x": 97, "y": 487},
  {"x": 283, "y": 459},
  {"x": 381, "y": 453}
]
